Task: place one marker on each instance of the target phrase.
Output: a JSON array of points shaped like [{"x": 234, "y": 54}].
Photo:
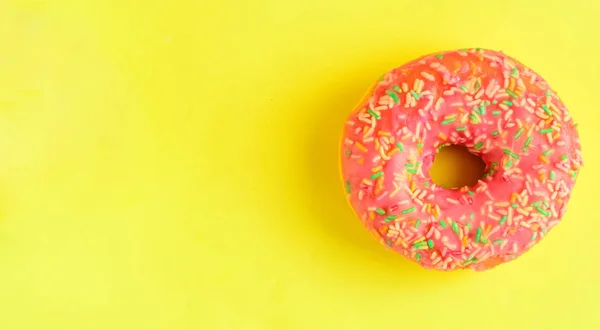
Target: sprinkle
[
  {"x": 409, "y": 210},
  {"x": 380, "y": 211},
  {"x": 471, "y": 217},
  {"x": 496, "y": 112},
  {"x": 494, "y": 102},
  {"x": 464, "y": 88},
  {"x": 546, "y": 130},
  {"x": 418, "y": 256},
  {"x": 546, "y": 110},
  {"x": 470, "y": 193},
  {"x": 418, "y": 223},
  {"x": 430, "y": 243},
  {"x": 511, "y": 93},
  {"x": 545, "y": 213},
  {"x": 528, "y": 141},
  {"x": 509, "y": 103},
  {"x": 360, "y": 146},
  {"x": 509, "y": 163},
  {"x": 478, "y": 235},
  {"x": 448, "y": 121},
  {"x": 477, "y": 84},
  {"x": 573, "y": 174},
  {"x": 348, "y": 152},
  {"x": 503, "y": 220},
  {"x": 376, "y": 175},
  {"x": 514, "y": 206},
  {"x": 478, "y": 146},
  {"x": 564, "y": 157},
  {"x": 416, "y": 95},
  {"x": 443, "y": 224},
  {"x": 348, "y": 186},
  {"x": 372, "y": 113},
  {"x": 514, "y": 72},
  {"x": 518, "y": 134},
  {"x": 498, "y": 241},
  {"x": 547, "y": 152},
  {"x": 474, "y": 118},
  {"x": 420, "y": 145},
  {"x": 400, "y": 146},
  {"x": 388, "y": 242},
  {"x": 482, "y": 109},
  {"x": 419, "y": 245},
  {"x": 455, "y": 227},
  {"x": 534, "y": 235},
  {"x": 510, "y": 153},
  {"x": 495, "y": 133},
  {"x": 461, "y": 128},
  {"x": 390, "y": 217},
  {"x": 393, "y": 96},
  {"x": 439, "y": 56},
  {"x": 411, "y": 171}
]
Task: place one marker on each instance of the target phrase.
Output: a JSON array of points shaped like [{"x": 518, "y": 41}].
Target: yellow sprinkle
[
  {"x": 383, "y": 133},
  {"x": 428, "y": 208},
  {"x": 360, "y": 146},
  {"x": 420, "y": 240},
  {"x": 371, "y": 215},
  {"x": 392, "y": 151},
  {"x": 376, "y": 144},
  {"x": 452, "y": 116},
  {"x": 403, "y": 243},
  {"x": 464, "y": 241},
  {"x": 377, "y": 169}
]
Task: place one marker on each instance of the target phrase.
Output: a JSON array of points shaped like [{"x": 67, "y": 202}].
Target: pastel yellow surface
[{"x": 174, "y": 165}]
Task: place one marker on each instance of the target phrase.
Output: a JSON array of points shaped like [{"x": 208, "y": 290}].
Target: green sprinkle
[
  {"x": 419, "y": 244},
  {"x": 497, "y": 242},
  {"x": 420, "y": 145},
  {"x": 380, "y": 211},
  {"x": 573, "y": 174},
  {"x": 514, "y": 205},
  {"x": 546, "y": 130},
  {"x": 470, "y": 193},
  {"x": 478, "y": 235},
  {"x": 348, "y": 152},
  {"x": 409, "y": 210},
  {"x": 495, "y": 133},
  {"x": 509, "y": 163},
  {"x": 461, "y": 128},
  {"x": 376, "y": 175},
  {"x": 474, "y": 118},
  {"x": 494, "y": 102},
  {"x": 528, "y": 141},
  {"x": 418, "y": 223},
  {"x": 390, "y": 217},
  {"x": 546, "y": 110},
  {"x": 514, "y": 72},
  {"x": 552, "y": 175},
  {"x": 484, "y": 241},
  {"x": 564, "y": 157},
  {"x": 471, "y": 217},
  {"x": 464, "y": 88},
  {"x": 496, "y": 113},
  {"x": 372, "y": 113},
  {"x": 547, "y": 93},
  {"x": 482, "y": 109},
  {"x": 468, "y": 225},
  {"x": 503, "y": 220},
  {"x": 408, "y": 165},
  {"x": 418, "y": 256},
  {"x": 426, "y": 184},
  {"x": 416, "y": 95},
  {"x": 348, "y": 186},
  {"x": 393, "y": 96},
  {"x": 478, "y": 146},
  {"x": 536, "y": 203},
  {"x": 411, "y": 171},
  {"x": 396, "y": 88},
  {"x": 509, "y": 92},
  {"x": 545, "y": 213},
  {"x": 439, "y": 56},
  {"x": 547, "y": 152},
  {"x": 455, "y": 228},
  {"x": 477, "y": 85},
  {"x": 507, "y": 102},
  {"x": 534, "y": 236},
  {"x": 430, "y": 243},
  {"x": 388, "y": 242},
  {"x": 400, "y": 146},
  {"x": 448, "y": 121},
  {"x": 518, "y": 134},
  {"x": 510, "y": 153},
  {"x": 443, "y": 224}
]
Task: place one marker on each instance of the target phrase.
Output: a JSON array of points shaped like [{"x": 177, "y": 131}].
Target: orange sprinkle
[
  {"x": 361, "y": 161},
  {"x": 442, "y": 136},
  {"x": 549, "y": 120},
  {"x": 377, "y": 169},
  {"x": 383, "y": 133},
  {"x": 371, "y": 215},
  {"x": 535, "y": 226},
  {"x": 360, "y": 146},
  {"x": 464, "y": 241},
  {"x": 513, "y": 197},
  {"x": 412, "y": 186},
  {"x": 376, "y": 144},
  {"x": 428, "y": 208},
  {"x": 511, "y": 85},
  {"x": 384, "y": 229},
  {"x": 435, "y": 213},
  {"x": 392, "y": 151},
  {"x": 544, "y": 159},
  {"x": 403, "y": 243}
]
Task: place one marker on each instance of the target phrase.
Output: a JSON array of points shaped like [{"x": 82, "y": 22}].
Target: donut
[{"x": 501, "y": 111}]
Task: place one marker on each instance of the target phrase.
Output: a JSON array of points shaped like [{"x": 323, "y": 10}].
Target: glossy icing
[{"x": 497, "y": 108}]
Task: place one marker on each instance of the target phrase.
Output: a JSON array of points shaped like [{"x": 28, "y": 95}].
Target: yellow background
[{"x": 173, "y": 165}]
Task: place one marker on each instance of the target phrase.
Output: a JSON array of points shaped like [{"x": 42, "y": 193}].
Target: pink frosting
[{"x": 497, "y": 108}]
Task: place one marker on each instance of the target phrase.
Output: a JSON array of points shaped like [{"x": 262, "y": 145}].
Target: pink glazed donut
[{"x": 489, "y": 103}]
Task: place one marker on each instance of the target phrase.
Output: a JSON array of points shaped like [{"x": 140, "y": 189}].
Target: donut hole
[{"x": 455, "y": 167}]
